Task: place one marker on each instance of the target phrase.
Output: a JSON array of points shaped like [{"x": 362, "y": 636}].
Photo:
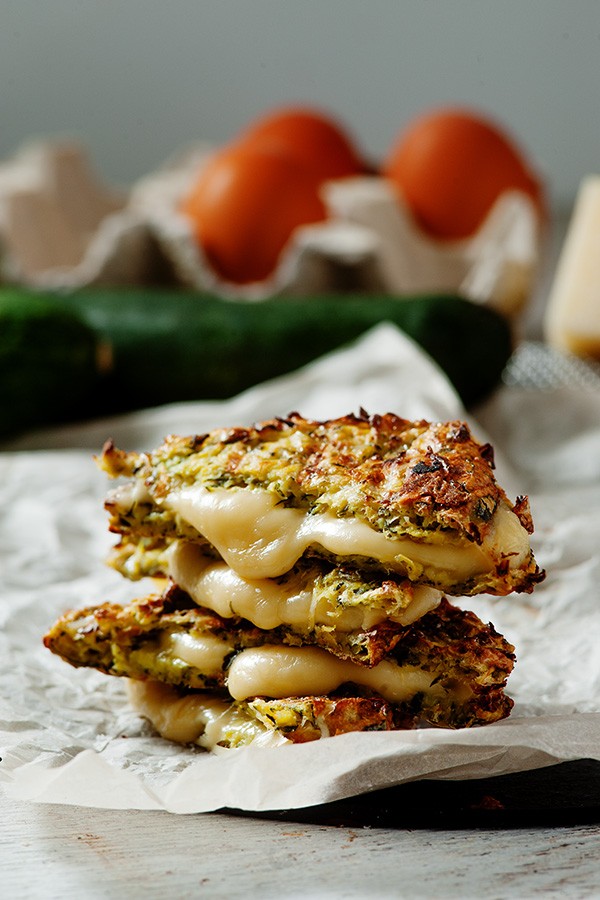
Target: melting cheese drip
[
  {"x": 279, "y": 672},
  {"x": 259, "y": 539},
  {"x": 197, "y": 718},
  {"x": 268, "y": 604},
  {"x": 205, "y": 652}
]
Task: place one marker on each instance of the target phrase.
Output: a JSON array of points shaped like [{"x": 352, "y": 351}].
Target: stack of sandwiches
[{"x": 301, "y": 572}]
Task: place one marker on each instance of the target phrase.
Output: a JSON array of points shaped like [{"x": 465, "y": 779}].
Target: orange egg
[
  {"x": 245, "y": 206},
  {"x": 311, "y": 138},
  {"x": 451, "y": 165}
]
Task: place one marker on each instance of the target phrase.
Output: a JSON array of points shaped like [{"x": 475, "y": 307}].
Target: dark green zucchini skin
[
  {"x": 48, "y": 362},
  {"x": 172, "y": 345}
]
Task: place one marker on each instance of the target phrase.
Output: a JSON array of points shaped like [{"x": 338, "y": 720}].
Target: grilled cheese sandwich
[
  {"x": 447, "y": 668},
  {"x": 416, "y": 499},
  {"x": 305, "y": 566}
]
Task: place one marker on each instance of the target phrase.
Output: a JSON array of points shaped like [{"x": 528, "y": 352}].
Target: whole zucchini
[
  {"x": 48, "y": 361},
  {"x": 173, "y": 345}
]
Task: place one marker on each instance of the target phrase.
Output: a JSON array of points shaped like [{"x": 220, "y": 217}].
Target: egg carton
[{"x": 61, "y": 228}]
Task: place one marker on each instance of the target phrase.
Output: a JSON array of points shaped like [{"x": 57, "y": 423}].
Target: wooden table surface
[
  {"x": 532, "y": 835},
  {"x": 69, "y": 852}
]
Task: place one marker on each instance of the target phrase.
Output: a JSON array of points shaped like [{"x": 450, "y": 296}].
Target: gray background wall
[{"x": 138, "y": 79}]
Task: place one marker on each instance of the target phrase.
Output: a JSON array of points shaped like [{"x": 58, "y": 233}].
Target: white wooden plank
[{"x": 70, "y": 852}]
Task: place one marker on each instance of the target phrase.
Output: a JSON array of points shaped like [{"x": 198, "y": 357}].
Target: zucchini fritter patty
[
  {"x": 429, "y": 486},
  {"x": 460, "y": 664}
]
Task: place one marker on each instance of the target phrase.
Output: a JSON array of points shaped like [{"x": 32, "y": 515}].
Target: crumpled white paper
[{"x": 68, "y": 736}]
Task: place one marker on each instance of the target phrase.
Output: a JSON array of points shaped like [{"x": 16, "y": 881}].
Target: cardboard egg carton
[{"x": 61, "y": 228}]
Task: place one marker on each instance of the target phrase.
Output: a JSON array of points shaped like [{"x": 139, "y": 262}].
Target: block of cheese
[{"x": 572, "y": 319}]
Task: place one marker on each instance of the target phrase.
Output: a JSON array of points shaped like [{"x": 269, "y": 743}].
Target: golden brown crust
[
  {"x": 431, "y": 483},
  {"x": 389, "y": 471},
  {"x": 124, "y": 640},
  {"x": 467, "y": 663},
  {"x": 305, "y": 719}
]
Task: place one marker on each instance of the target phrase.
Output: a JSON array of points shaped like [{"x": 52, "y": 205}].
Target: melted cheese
[
  {"x": 260, "y": 539},
  {"x": 278, "y": 672},
  {"x": 271, "y": 671},
  {"x": 268, "y": 604},
  {"x": 424, "y": 600},
  {"x": 196, "y": 718},
  {"x": 205, "y": 652}
]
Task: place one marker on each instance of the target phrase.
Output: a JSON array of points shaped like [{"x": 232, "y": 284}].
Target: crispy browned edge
[{"x": 450, "y": 484}]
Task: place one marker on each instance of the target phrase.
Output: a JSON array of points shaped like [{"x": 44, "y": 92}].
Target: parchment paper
[{"x": 68, "y": 736}]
